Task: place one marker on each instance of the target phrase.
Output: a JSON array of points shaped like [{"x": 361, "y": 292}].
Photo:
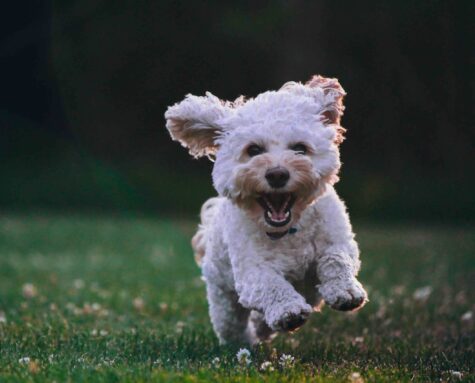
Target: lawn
[{"x": 97, "y": 298}]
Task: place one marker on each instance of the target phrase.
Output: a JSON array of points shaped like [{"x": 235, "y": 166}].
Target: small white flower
[
  {"x": 138, "y": 303},
  {"x": 216, "y": 362},
  {"x": 179, "y": 327},
  {"x": 355, "y": 377},
  {"x": 108, "y": 362},
  {"x": 286, "y": 361},
  {"x": 422, "y": 294},
  {"x": 243, "y": 357},
  {"x": 398, "y": 290},
  {"x": 51, "y": 358},
  {"x": 267, "y": 366},
  {"x": 456, "y": 374},
  {"x": 3, "y": 317},
  {"x": 24, "y": 360},
  {"x": 104, "y": 294},
  {"x": 467, "y": 316},
  {"x": 96, "y": 332},
  {"x": 29, "y": 290},
  {"x": 78, "y": 284},
  {"x": 157, "y": 362}
]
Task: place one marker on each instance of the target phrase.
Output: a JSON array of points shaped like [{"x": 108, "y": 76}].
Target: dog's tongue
[
  {"x": 278, "y": 216},
  {"x": 278, "y": 203}
]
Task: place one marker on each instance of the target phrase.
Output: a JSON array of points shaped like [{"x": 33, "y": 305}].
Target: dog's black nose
[{"x": 277, "y": 177}]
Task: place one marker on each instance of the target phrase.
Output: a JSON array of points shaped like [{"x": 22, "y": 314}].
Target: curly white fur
[{"x": 257, "y": 283}]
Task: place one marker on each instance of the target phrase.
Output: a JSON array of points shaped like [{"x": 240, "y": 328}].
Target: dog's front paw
[
  {"x": 288, "y": 317},
  {"x": 344, "y": 295}
]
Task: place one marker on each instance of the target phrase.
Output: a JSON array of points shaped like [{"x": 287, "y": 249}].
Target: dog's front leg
[
  {"x": 338, "y": 284},
  {"x": 263, "y": 289},
  {"x": 338, "y": 261}
]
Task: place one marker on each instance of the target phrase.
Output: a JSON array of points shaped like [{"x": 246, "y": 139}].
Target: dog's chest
[{"x": 293, "y": 258}]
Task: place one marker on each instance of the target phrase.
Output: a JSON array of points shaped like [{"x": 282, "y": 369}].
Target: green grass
[{"x": 120, "y": 299}]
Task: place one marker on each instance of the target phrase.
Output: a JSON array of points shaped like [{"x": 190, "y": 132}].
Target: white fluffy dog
[{"x": 277, "y": 241}]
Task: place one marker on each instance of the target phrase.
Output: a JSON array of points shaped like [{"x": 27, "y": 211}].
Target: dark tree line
[{"x": 101, "y": 74}]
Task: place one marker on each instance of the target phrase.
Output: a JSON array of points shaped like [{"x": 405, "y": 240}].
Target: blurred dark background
[{"x": 84, "y": 86}]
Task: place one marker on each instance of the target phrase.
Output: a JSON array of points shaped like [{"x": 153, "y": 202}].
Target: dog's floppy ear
[
  {"x": 332, "y": 101},
  {"x": 194, "y": 122},
  {"x": 327, "y": 93}
]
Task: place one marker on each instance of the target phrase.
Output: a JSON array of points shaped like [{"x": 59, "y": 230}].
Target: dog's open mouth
[{"x": 277, "y": 208}]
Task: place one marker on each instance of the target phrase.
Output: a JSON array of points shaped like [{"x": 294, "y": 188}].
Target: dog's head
[{"x": 274, "y": 154}]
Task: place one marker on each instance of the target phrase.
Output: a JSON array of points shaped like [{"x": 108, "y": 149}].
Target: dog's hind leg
[
  {"x": 258, "y": 330},
  {"x": 228, "y": 317},
  {"x": 199, "y": 240}
]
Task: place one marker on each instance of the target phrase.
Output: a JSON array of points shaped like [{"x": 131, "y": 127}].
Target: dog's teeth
[
  {"x": 269, "y": 214},
  {"x": 287, "y": 214}
]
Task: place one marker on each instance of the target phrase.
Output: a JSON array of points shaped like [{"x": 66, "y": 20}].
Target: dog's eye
[
  {"x": 254, "y": 150},
  {"x": 299, "y": 148}
]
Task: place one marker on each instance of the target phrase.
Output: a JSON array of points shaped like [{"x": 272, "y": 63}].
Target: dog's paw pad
[
  {"x": 344, "y": 295},
  {"x": 291, "y": 321},
  {"x": 351, "y": 304}
]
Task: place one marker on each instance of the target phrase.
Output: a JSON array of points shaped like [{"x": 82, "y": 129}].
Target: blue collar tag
[{"x": 292, "y": 230}]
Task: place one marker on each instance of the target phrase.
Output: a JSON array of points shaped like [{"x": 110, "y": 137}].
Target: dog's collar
[
  {"x": 292, "y": 230},
  {"x": 276, "y": 236}
]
